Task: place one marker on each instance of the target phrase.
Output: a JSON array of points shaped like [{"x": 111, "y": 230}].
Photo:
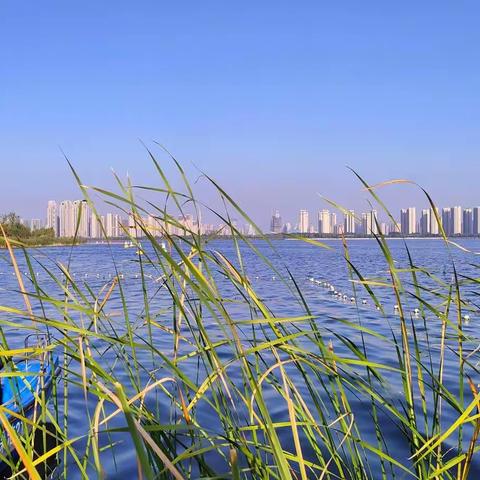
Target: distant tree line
[{"x": 16, "y": 231}]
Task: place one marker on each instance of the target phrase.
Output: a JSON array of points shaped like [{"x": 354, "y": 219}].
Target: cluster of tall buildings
[
  {"x": 325, "y": 223},
  {"x": 71, "y": 218},
  {"x": 75, "y": 217},
  {"x": 454, "y": 220}
]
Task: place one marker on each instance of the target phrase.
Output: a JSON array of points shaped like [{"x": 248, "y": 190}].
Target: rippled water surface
[{"x": 96, "y": 265}]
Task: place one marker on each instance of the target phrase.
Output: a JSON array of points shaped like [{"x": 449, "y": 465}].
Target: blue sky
[{"x": 271, "y": 98}]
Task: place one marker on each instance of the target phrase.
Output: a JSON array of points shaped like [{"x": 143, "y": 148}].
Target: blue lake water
[{"x": 94, "y": 266}]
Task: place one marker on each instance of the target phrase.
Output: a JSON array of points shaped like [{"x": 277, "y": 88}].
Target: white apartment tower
[
  {"x": 425, "y": 222},
  {"x": 456, "y": 220},
  {"x": 112, "y": 225},
  {"x": 324, "y": 222},
  {"x": 408, "y": 220},
  {"x": 333, "y": 222},
  {"x": 369, "y": 223},
  {"x": 96, "y": 226},
  {"x": 82, "y": 215},
  {"x": 476, "y": 221},
  {"x": 349, "y": 222},
  {"x": 467, "y": 228},
  {"x": 52, "y": 216},
  {"x": 447, "y": 220},
  {"x": 434, "y": 221},
  {"x": 66, "y": 219},
  {"x": 303, "y": 221}
]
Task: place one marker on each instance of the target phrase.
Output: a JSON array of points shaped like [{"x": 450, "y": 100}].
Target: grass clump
[{"x": 206, "y": 379}]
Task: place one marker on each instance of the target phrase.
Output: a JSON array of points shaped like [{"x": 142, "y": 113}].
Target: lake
[{"x": 93, "y": 267}]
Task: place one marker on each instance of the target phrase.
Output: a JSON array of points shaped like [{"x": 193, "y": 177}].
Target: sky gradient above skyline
[{"x": 273, "y": 99}]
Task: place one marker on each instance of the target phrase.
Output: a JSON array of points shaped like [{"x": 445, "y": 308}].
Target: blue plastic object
[{"x": 31, "y": 381}]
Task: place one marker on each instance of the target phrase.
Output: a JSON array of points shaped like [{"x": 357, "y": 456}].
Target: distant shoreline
[
  {"x": 292, "y": 237},
  {"x": 267, "y": 237},
  {"x": 46, "y": 245}
]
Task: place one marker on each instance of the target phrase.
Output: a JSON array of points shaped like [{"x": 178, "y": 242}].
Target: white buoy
[
  {"x": 395, "y": 307},
  {"x": 352, "y": 299},
  {"x": 466, "y": 317},
  {"x": 345, "y": 297},
  {"x": 364, "y": 302},
  {"x": 416, "y": 311},
  {"x": 377, "y": 307},
  {"x": 311, "y": 279}
]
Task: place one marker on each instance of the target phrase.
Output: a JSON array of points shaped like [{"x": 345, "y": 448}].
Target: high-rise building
[
  {"x": 153, "y": 226},
  {"x": 467, "y": 226},
  {"x": 456, "y": 220},
  {"x": 66, "y": 219},
  {"x": 425, "y": 222},
  {"x": 447, "y": 223},
  {"x": 303, "y": 221},
  {"x": 349, "y": 222},
  {"x": 109, "y": 228},
  {"x": 135, "y": 226},
  {"x": 434, "y": 221},
  {"x": 369, "y": 223},
  {"x": 333, "y": 222},
  {"x": 476, "y": 221},
  {"x": 113, "y": 225},
  {"x": 96, "y": 226},
  {"x": 408, "y": 221},
  {"x": 276, "y": 223},
  {"x": 324, "y": 222},
  {"x": 52, "y": 217},
  {"x": 82, "y": 214},
  {"x": 287, "y": 228},
  {"x": 188, "y": 226}
]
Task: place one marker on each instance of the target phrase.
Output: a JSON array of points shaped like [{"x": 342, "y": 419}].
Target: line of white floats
[
  {"x": 99, "y": 276},
  {"x": 341, "y": 296}
]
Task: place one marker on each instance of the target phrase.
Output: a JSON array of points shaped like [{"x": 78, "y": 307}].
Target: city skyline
[
  {"x": 75, "y": 217},
  {"x": 457, "y": 220},
  {"x": 70, "y": 218}
]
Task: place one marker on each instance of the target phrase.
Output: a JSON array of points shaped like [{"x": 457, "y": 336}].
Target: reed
[{"x": 208, "y": 380}]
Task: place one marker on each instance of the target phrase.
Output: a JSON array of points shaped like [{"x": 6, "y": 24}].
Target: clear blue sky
[{"x": 272, "y": 98}]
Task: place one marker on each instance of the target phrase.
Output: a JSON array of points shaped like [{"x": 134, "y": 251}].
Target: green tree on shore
[{"x": 15, "y": 230}]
